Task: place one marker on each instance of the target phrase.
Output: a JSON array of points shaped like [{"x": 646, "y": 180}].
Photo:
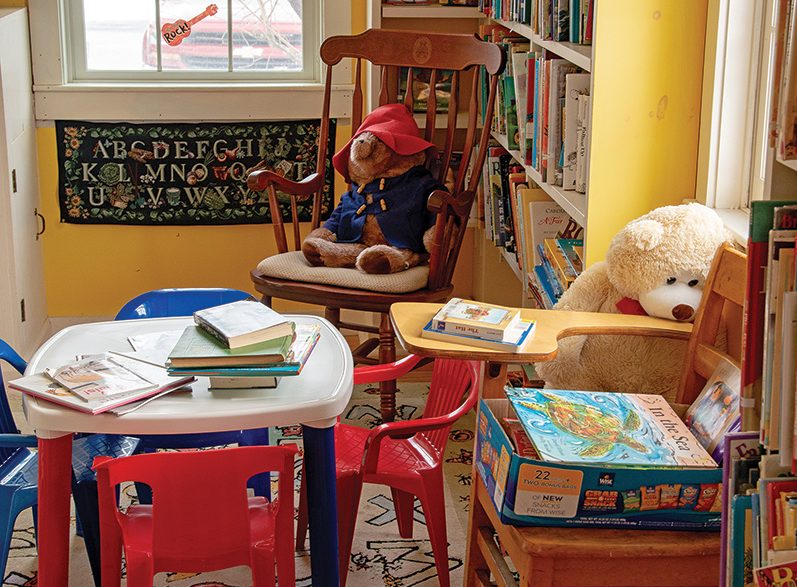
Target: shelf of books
[
  {"x": 760, "y": 471},
  {"x": 536, "y": 171}
]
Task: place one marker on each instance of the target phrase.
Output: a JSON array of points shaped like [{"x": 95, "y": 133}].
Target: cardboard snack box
[{"x": 530, "y": 492}]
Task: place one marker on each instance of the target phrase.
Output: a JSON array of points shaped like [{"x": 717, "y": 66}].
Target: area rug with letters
[{"x": 379, "y": 555}]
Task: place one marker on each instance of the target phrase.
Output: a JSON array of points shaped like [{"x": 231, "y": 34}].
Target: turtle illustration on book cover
[{"x": 605, "y": 428}]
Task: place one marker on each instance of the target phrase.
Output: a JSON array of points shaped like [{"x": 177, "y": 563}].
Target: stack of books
[
  {"x": 100, "y": 383},
  {"x": 242, "y": 345},
  {"x": 479, "y": 324}
]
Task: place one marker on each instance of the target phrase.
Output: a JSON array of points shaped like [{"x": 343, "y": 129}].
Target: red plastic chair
[
  {"x": 201, "y": 518},
  {"x": 407, "y": 456}
]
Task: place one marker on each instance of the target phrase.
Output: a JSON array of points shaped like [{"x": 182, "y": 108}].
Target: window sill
[
  {"x": 737, "y": 222},
  {"x": 188, "y": 102}
]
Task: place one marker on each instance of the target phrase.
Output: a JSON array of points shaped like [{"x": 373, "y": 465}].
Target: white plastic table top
[{"x": 315, "y": 397}]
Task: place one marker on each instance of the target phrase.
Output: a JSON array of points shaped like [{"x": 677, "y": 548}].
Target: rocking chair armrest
[
  {"x": 387, "y": 371},
  {"x": 18, "y": 440},
  {"x": 460, "y": 202},
  {"x": 261, "y": 179}
]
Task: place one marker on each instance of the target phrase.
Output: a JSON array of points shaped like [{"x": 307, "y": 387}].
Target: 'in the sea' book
[{"x": 590, "y": 427}]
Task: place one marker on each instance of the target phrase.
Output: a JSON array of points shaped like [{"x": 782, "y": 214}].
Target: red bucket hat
[{"x": 392, "y": 124}]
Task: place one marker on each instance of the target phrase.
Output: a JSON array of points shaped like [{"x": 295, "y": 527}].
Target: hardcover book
[
  {"x": 307, "y": 336},
  {"x": 607, "y": 429},
  {"x": 197, "y": 348},
  {"x": 516, "y": 336},
  {"x": 243, "y": 323},
  {"x": 469, "y": 318}
]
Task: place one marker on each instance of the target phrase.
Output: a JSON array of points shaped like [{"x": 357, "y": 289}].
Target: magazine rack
[{"x": 551, "y": 556}]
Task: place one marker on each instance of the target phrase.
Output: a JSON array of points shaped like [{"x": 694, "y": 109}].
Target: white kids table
[{"x": 314, "y": 399}]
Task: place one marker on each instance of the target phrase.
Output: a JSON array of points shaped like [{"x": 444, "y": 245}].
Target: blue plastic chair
[
  {"x": 19, "y": 472},
  {"x": 164, "y": 303}
]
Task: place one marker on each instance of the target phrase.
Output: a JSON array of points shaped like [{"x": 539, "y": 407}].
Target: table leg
[
  {"x": 494, "y": 380},
  {"x": 319, "y": 459},
  {"x": 55, "y": 477}
]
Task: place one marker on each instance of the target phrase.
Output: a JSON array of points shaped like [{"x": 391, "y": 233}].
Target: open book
[{"x": 97, "y": 401}]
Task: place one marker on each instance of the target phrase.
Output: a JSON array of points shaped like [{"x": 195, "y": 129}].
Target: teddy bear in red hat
[{"x": 380, "y": 224}]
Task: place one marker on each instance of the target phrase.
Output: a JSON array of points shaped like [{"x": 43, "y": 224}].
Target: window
[
  {"x": 190, "y": 39},
  {"x": 184, "y": 59}
]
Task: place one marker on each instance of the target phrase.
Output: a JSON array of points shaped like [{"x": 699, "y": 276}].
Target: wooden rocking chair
[{"x": 288, "y": 276}]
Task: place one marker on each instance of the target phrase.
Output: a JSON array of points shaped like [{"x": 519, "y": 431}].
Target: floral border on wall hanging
[{"x": 178, "y": 174}]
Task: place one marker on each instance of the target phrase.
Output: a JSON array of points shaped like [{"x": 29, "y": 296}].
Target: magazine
[
  {"x": 98, "y": 376},
  {"x": 42, "y": 386},
  {"x": 621, "y": 429}
]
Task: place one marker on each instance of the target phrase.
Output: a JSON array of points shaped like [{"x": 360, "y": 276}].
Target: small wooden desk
[
  {"x": 409, "y": 319},
  {"x": 544, "y": 556}
]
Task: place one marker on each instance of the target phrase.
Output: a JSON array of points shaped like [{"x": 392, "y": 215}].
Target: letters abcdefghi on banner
[{"x": 178, "y": 174}]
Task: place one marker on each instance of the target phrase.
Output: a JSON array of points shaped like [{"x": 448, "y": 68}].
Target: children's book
[
  {"x": 779, "y": 575},
  {"x": 41, "y": 386},
  {"x": 575, "y": 85},
  {"x": 741, "y": 452},
  {"x": 478, "y": 319},
  {"x": 742, "y": 542},
  {"x": 243, "y": 323},
  {"x": 610, "y": 429},
  {"x": 715, "y": 411},
  {"x": 100, "y": 376},
  {"x": 197, "y": 348},
  {"x": 761, "y": 222},
  {"x": 547, "y": 219},
  {"x": 514, "y": 339},
  {"x": 306, "y": 338}
]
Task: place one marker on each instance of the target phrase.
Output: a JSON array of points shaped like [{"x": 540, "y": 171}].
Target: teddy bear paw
[
  {"x": 311, "y": 248},
  {"x": 381, "y": 259}
]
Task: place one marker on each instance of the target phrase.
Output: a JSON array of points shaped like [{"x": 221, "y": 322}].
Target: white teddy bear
[{"x": 656, "y": 265}]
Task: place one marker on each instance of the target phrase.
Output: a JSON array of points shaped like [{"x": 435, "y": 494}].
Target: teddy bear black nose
[{"x": 682, "y": 312}]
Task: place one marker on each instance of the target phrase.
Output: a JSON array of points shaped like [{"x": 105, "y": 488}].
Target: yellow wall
[
  {"x": 93, "y": 270},
  {"x": 647, "y": 66}
]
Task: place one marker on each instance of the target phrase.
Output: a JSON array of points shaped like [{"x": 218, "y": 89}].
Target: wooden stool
[{"x": 588, "y": 557}]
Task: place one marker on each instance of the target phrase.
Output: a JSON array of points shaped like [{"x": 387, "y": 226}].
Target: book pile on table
[
  {"x": 240, "y": 345},
  {"x": 479, "y": 324},
  {"x": 100, "y": 383}
]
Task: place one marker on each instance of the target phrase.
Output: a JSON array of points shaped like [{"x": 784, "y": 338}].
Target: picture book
[
  {"x": 715, "y": 411},
  {"x": 478, "y": 319},
  {"x": 580, "y": 427},
  {"x": 778, "y": 575},
  {"x": 243, "y": 323},
  {"x": 741, "y": 571},
  {"x": 741, "y": 452},
  {"x": 761, "y": 222},
  {"x": 547, "y": 220},
  {"x": 516, "y": 336},
  {"x": 197, "y": 348},
  {"x": 307, "y": 336},
  {"x": 99, "y": 376},
  {"x": 41, "y": 386}
]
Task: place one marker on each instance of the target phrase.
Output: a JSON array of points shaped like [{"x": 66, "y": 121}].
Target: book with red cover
[{"x": 761, "y": 218}]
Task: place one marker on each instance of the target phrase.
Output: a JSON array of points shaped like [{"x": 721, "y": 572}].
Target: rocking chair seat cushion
[{"x": 294, "y": 267}]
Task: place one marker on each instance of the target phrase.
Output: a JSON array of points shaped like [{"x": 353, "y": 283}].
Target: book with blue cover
[
  {"x": 609, "y": 429},
  {"x": 515, "y": 337}
]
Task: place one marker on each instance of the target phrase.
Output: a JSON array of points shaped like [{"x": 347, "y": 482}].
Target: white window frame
[{"x": 58, "y": 98}]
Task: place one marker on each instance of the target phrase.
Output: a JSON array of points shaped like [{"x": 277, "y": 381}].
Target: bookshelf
[{"x": 645, "y": 66}]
